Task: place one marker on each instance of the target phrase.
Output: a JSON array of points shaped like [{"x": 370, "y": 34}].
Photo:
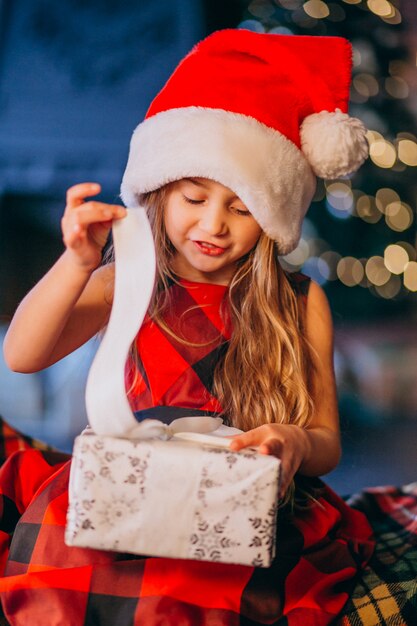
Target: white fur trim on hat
[
  {"x": 266, "y": 170},
  {"x": 334, "y": 143}
]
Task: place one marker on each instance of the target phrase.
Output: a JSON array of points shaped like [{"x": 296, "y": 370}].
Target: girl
[{"x": 224, "y": 164}]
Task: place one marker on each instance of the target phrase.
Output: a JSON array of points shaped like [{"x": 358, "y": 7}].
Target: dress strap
[{"x": 300, "y": 283}]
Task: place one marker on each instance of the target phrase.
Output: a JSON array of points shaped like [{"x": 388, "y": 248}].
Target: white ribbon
[{"x": 108, "y": 408}]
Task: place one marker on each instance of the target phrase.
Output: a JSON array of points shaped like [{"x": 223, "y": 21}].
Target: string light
[
  {"x": 339, "y": 199},
  {"x": 367, "y": 210},
  {"x": 407, "y": 152},
  {"x": 299, "y": 256},
  {"x": 395, "y": 18},
  {"x": 331, "y": 259},
  {"x": 350, "y": 271},
  {"x": 382, "y": 8},
  {"x": 395, "y": 258},
  {"x": 366, "y": 85},
  {"x": 387, "y": 197},
  {"x": 411, "y": 250},
  {"x": 390, "y": 289},
  {"x": 397, "y": 87},
  {"x": 398, "y": 216},
  {"x": 410, "y": 276},
  {"x": 376, "y": 271},
  {"x": 383, "y": 153},
  {"x": 317, "y": 9}
]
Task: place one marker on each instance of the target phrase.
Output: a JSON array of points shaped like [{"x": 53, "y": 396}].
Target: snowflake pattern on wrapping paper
[
  {"x": 249, "y": 499},
  {"x": 113, "y": 510},
  {"x": 204, "y": 484},
  {"x": 231, "y": 457},
  {"x": 80, "y": 516},
  {"x": 138, "y": 474},
  {"x": 265, "y": 530},
  {"x": 210, "y": 541}
]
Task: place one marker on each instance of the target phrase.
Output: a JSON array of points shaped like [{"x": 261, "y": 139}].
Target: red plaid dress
[{"x": 46, "y": 583}]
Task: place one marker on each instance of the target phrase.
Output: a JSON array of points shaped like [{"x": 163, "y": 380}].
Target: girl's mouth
[{"x": 209, "y": 248}]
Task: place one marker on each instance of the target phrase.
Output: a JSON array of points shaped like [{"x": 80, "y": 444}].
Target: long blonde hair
[{"x": 265, "y": 375}]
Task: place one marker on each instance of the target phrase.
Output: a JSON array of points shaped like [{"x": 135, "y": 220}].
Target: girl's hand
[
  {"x": 86, "y": 225},
  {"x": 285, "y": 441}
]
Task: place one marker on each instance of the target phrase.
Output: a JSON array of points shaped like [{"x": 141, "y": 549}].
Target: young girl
[{"x": 225, "y": 164}]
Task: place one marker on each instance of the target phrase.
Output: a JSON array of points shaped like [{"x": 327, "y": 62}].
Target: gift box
[{"x": 189, "y": 497}]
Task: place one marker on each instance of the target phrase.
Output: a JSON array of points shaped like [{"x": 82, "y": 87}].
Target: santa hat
[{"x": 263, "y": 114}]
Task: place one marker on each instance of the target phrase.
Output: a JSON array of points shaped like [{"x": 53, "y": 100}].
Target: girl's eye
[
  {"x": 192, "y": 201},
  {"x": 242, "y": 212}
]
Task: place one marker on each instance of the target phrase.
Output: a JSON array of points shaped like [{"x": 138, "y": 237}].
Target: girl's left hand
[{"x": 287, "y": 442}]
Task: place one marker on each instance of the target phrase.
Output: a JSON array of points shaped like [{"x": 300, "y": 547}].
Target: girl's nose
[{"x": 213, "y": 220}]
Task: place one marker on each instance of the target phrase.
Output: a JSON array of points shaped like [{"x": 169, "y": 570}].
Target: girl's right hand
[{"x": 86, "y": 225}]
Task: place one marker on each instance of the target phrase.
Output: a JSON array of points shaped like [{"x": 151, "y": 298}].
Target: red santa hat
[{"x": 263, "y": 114}]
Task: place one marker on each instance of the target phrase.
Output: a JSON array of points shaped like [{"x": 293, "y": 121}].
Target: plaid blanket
[{"x": 385, "y": 593}]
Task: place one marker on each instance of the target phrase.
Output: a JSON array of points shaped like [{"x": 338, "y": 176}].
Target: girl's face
[{"x": 210, "y": 228}]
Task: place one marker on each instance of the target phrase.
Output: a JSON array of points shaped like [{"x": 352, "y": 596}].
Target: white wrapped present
[{"x": 189, "y": 497}]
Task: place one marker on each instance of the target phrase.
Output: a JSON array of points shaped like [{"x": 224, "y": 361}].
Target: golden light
[
  {"x": 410, "y": 276},
  {"x": 395, "y": 18},
  {"x": 352, "y": 1},
  {"x": 397, "y": 87},
  {"x": 299, "y": 256},
  {"x": 390, "y": 289},
  {"x": 339, "y": 196},
  {"x": 382, "y": 153},
  {"x": 366, "y": 85},
  {"x": 376, "y": 271},
  {"x": 331, "y": 259},
  {"x": 411, "y": 250},
  {"x": 385, "y": 197},
  {"x": 407, "y": 151},
  {"x": 317, "y": 9},
  {"x": 350, "y": 271},
  {"x": 373, "y": 135},
  {"x": 399, "y": 216},
  {"x": 383, "y": 8},
  {"x": 395, "y": 258},
  {"x": 367, "y": 210}
]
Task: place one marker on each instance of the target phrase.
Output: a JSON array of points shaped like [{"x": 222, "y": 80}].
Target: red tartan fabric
[
  {"x": 185, "y": 378},
  {"x": 46, "y": 583}
]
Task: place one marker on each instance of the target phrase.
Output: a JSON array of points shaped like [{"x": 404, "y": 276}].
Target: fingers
[
  {"x": 77, "y": 193},
  {"x": 75, "y": 224},
  {"x": 250, "y": 438}
]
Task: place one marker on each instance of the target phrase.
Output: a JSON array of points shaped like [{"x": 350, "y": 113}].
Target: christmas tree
[{"x": 359, "y": 238}]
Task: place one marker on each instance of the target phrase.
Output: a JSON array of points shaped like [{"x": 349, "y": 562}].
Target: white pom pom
[{"x": 333, "y": 143}]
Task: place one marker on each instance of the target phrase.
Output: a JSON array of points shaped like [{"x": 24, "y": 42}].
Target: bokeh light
[
  {"x": 397, "y": 87},
  {"x": 376, "y": 271},
  {"x": 316, "y": 8},
  {"x": 383, "y": 8},
  {"x": 382, "y": 153},
  {"x": 366, "y": 209},
  {"x": 410, "y": 276},
  {"x": 390, "y": 289},
  {"x": 350, "y": 271},
  {"x": 339, "y": 199},
  {"x": 407, "y": 152},
  {"x": 398, "y": 216},
  {"x": 395, "y": 258}
]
